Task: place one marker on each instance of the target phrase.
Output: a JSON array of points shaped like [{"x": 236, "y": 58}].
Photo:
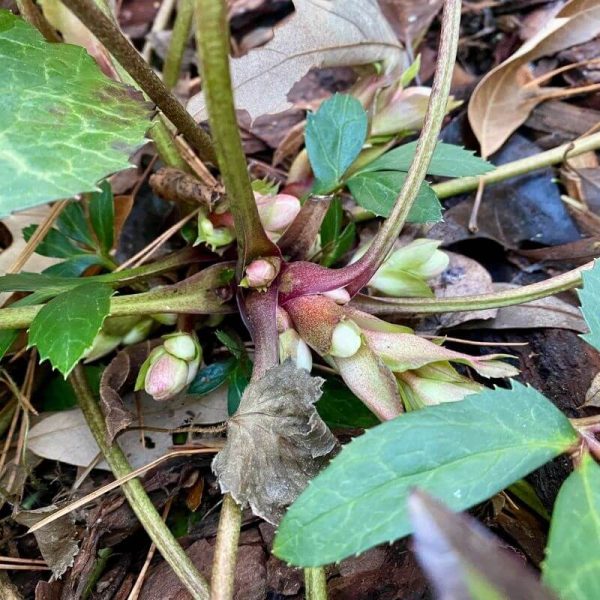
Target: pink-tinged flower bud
[
  {"x": 170, "y": 367},
  {"x": 277, "y": 212},
  {"x": 346, "y": 339},
  {"x": 292, "y": 346},
  {"x": 260, "y": 273}
]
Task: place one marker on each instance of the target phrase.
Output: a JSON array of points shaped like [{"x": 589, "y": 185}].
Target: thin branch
[
  {"x": 117, "y": 44},
  {"x": 228, "y": 535},
  {"x": 179, "y": 40},
  {"x": 134, "y": 491},
  {"x": 212, "y": 33}
]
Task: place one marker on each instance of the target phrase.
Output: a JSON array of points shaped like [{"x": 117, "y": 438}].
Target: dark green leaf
[
  {"x": 332, "y": 223},
  {"x": 335, "y": 135},
  {"x": 55, "y": 244},
  {"x": 211, "y": 377},
  {"x": 379, "y": 190},
  {"x": 341, "y": 409},
  {"x": 65, "y": 328},
  {"x": 232, "y": 342},
  {"x": 589, "y": 297},
  {"x": 102, "y": 216},
  {"x": 57, "y": 394},
  {"x": 74, "y": 267},
  {"x": 340, "y": 246},
  {"x": 73, "y": 224},
  {"x": 447, "y": 161},
  {"x": 461, "y": 452},
  {"x": 463, "y": 560},
  {"x": 64, "y": 124},
  {"x": 573, "y": 552},
  {"x": 238, "y": 382}
]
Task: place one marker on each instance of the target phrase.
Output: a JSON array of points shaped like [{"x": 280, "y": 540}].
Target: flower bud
[
  {"x": 138, "y": 333},
  {"x": 260, "y": 273},
  {"x": 214, "y": 237},
  {"x": 405, "y": 272},
  {"x": 277, "y": 213},
  {"x": 339, "y": 296},
  {"x": 170, "y": 367},
  {"x": 292, "y": 346},
  {"x": 346, "y": 339},
  {"x": 434, "y": 384}
]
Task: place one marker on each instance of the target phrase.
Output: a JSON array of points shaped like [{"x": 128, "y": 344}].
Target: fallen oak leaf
[
  {"x": 321, "y": 33},
  {"x": 276, "y": 442},
  {"x": 502, "y": 101}
]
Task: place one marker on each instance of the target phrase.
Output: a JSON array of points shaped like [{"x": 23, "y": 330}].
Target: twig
[
  {"x": 179, "y": 40},
  {"x": 212, "y": 34},
  {"x": 315, "y": 583},
  {"x": 116, "y": 43},
  {"x": 134, "y": 491},
  {"x": 228, "y": 535}
]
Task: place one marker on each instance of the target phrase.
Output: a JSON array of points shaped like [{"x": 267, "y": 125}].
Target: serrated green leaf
[
  {"x": 102, "y": 216},
  {"x": 65, "y": 328},
  {"x": 461, "y": 453},
  {"x": 589, "y": 297},
  {"x": 447, "y": 161},
  {"x": 377, "y": 191},
  {"x": 73, "y": 224},
  {"x": 64, "y": 124},
  {"x": 335, "y": 135},
  {"x": 340, "y": 408},
  {"x": 573, "y": 554},
  {"x": 55, "y": 244},
  {"x": 211, "y": 377}
]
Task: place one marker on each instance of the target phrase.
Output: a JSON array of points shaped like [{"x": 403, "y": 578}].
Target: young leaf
[
  {"x": 334, "y": 136},
  {"x": 73, "y": 224},
  {"x": 340, "y": 408},
  {"x": 56, "y": 244},
  {"x": 378, "y": 191},
  {"x": 320, "y": 34},
  {"x": 74, "y": 266},
  {"x": 339, "y": 246},
  {"x": 571, "y": 565},
  {"x": 64, "y": 124},
  {"x": 464, "y": 560},
  {"x": 102, "y": 216},
  {"x": 462, "y": 453},
  {"x": 590, "y": 301},
  {"x": 448, "y": 160},
  {"x": 238, "y": 382},
  {"x": 65, "y": 328}
]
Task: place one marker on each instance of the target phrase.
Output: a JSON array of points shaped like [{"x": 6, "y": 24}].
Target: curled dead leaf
[{"x": 276, "y": 442}]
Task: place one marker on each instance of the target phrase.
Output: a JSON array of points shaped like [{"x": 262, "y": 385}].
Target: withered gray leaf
[
  {"x": 56, "y": 540},
  {"x": 276, "y": 442}
]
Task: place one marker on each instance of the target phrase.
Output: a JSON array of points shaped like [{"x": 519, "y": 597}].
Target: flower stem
[
  {"x": 212, "y": 34},
  {"x": 179, "y": 39},
  {"x": 228, "y": 535},
  {"x": 556, "y": 155},
  {"x": 436, "y": 111},
  {"x": 135, "y": 493},
  {"x": 315, "y": 583},
  {"x": 109, "y": 34},
  {"x": 522, "y": 295}
]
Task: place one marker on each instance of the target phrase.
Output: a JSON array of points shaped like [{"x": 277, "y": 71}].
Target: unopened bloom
[
  {"x": 405, "y": 271},
  {"x": 214, "y": 236},
  {"x": 171, "y": 367},
  {"x": 277, "y": 212},
  {"x": 260, "y": 273}
]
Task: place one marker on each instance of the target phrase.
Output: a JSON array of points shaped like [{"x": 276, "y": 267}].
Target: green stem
[
  {"x": 179, "y": 40},
  {"x": 557, "y": 155},
  {"x": 228, "y": 535},
  {"x": 212, "y": 34},
  {"x": 527, "y": 293},
  {"x": 134, "y": 491},
  {"x": 165, "y": 145},
  {"x": 315, "y": 583},
  {"x": 436, "y": 111},
  {"x": 117, "y": 44}
]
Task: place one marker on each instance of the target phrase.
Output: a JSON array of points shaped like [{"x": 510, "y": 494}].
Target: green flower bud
[
  {"x": 170, "y": 368},
  {"x": 213, "y": 237},
  {"x": 346, "y": 339}
]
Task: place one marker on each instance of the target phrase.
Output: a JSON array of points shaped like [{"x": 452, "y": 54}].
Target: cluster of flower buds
[
  {"x": 170, "y": 367},
  {"x": 385, "y": 364},
  {"x": 406, "y": 271},
  {"x": 125, "y": 331}
]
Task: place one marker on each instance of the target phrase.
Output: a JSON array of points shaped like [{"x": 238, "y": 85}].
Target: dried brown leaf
[
  {"x": 592, "y": 396},
  {"x": 501, "y": 102},
  {"x": 276, "y": 442},
  {"x": 321, "y": 33},
  {"x": 56, "y": 540},
  {"x": 410, "y": 18}
]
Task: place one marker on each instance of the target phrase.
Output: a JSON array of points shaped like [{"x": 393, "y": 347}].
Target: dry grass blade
[{"x": 117, "y": 483}]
